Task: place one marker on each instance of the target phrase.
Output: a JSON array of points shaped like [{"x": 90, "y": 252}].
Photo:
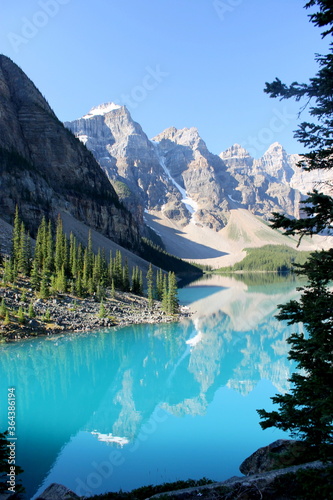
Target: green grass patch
[{"x": 272, "y": 258}]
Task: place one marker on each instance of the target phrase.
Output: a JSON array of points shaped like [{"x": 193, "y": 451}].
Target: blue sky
[{"x": 182, "y": 63}]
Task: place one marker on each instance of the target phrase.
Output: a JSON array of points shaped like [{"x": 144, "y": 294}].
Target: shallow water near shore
[{"x": 146, "y": 404}]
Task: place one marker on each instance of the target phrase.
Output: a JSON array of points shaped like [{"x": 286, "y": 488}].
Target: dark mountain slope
[{"x": 45, "y": 169}]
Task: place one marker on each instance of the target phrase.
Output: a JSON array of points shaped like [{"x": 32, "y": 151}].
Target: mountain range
[
  {"x": 176, "y": 174},
  {"x": 178, "y": 187}
]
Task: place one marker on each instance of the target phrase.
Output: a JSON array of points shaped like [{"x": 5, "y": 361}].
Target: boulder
[
  {"x": 33, "y": 324},
  {"x": 277, "y": 455},
  {"x": 57, "y": 492}
]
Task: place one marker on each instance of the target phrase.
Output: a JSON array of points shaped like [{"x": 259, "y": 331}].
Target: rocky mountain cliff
[
  {"x": 45, "y": 169},
  {"x": 264, "y": 185},
  {"x": 175, "y": 174},
  {"x": 131, "y": 161}
]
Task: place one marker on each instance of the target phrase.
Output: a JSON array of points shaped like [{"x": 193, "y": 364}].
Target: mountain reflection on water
[
  {"x": 169, "y": 397},
  {"x": 239, "y": 317}
]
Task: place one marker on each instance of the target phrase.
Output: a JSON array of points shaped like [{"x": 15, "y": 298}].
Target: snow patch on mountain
[
  {"x": 190, "y": 204},
  {"x": 232, "y": 199},
  {"x": 84, "y": 138},
  {"x": 101, "y": 110}
]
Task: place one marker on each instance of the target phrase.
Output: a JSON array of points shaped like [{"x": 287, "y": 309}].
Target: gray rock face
[
  {"x": 129, "y": 158},
  {"x": 307, "y": 181},
  {"x": 264, "y": 185},
  {"x": 175, "y": 172},
  {"x": 45, "y": 169},
  {"x": 201, "y": 174}
]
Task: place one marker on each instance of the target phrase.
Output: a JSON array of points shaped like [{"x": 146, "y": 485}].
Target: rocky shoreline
[{"x": 65, "y": 313}]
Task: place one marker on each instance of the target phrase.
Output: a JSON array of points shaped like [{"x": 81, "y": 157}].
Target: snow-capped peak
[
  {"x": 102, "y": 109},
  {"x": 235, "y": 151},
  {"x": 275, "y": 147}
]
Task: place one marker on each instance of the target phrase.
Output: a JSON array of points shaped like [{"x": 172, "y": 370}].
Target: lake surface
[{"x": 146, "y": 404}]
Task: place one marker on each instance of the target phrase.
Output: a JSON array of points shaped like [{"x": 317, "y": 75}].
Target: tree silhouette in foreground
[{"x": 307, "y": 411}]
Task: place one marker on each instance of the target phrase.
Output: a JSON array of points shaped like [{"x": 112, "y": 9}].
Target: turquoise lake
[{"x": 147, "y": 404}]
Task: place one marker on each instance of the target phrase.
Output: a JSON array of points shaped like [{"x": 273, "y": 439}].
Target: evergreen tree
[
  {"x": 165, "y": 294},
  {"x": 90, "y": 285},
  {"x": 110, "y": 268},
  {"x": 105, "y": 281},
  {"x": 59, "y": 253},
  {"x": 40, "y": 245},
  {"x": 85, "y": 269},
  {"x": 66, "y": 255},
  {"x": 172, "y": 294},
  {"x": 87, "y": 273},
  {"x": 159, "y": 284},
  {"x": 73, "y": 261},
  {"x": 307, "y": 411},
  {"x": 53, "y": 285},
  {"x": 79, "y": 259},
  {"x": 100, "y": 292},
  {"x": 135, "y": 280},
  {"x": 126, "y": 282},
  {"x": 60, "y": 280},
  {"x": 31, "y": 311},
  {"x": 44, "y": 291},
  {"x": 113, "y": 289},
  {"x": 150, "y": 286},
  {"x": 8, "y": 272},
  {"x": 35, "y": 278},
  {"x": 72, "y": 287},
  {"x": 140, "y": 283},
  {"x": 97, "y": 269},
  {"x": 3, "y": 308},
  {"x": 90, "y": 254},
  {"x": 78, "y": 286},
  {"x": 16, "y": 241},
  {"x": 47, "y": 315},
  {"x": 20, "y": 315},
  {"x": 118, "y": 270},
  {"x": 102, "y": 310},
  {"x": 48, "y": 249},
  {"x": 23, "y": 256}
]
